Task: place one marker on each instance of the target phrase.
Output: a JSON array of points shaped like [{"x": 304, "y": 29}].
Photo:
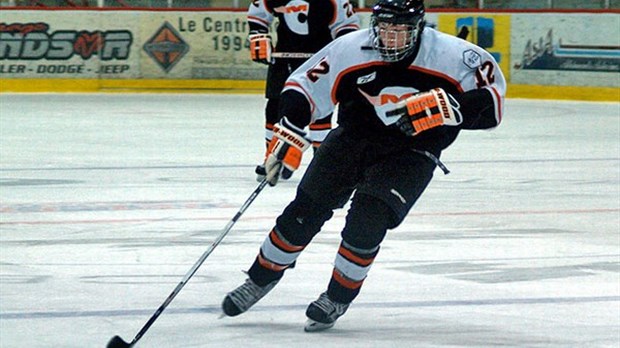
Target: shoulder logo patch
[{"x": 472, "y": 59}]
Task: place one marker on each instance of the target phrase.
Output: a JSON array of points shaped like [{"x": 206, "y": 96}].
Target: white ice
[{"x": 107, "y": 200}]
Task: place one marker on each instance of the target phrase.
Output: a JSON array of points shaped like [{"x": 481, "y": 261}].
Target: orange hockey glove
[
  {"x": 260, "y": 48},
  {"x": 285, "y": 150},
  {"x": 427, "y": 110}
]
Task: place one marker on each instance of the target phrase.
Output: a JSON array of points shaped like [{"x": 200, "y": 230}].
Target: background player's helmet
[{"x": 396, "y": 45}]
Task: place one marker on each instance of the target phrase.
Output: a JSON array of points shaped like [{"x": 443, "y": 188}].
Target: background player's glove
[
  {"x": 285, "y": 150},
  {"x": 427, "y": 110},
  {"x": 260, "y": 48}
]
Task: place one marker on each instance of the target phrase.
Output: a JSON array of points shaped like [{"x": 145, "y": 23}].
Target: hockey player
[
  {"x": 304, "y": 26},
  {"x": 404, "y": 93}
]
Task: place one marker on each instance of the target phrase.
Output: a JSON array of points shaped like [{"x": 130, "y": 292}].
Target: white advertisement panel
[
  {"x": 566, "y": 49},
  {"x": 69, "y": 44},
  {"x": 197, "y": 45},
  {"x": 125, "y": 45}
]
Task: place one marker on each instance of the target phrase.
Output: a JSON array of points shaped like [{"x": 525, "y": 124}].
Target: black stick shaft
[
  {"x": 198, "y": 263},
  {"x": 298, "y": 55}
]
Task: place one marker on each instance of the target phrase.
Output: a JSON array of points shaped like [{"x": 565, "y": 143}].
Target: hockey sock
[
  {"x": 275, "y": 256},
  {"x": 350, "y": 270},
  {"x": 366, "y": 226}
]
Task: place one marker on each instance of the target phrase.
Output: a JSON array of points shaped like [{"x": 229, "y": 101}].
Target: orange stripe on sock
[
  {"x": 354, "y": 258},
  {"x": 273, "y": 236},
  {"x": 270, "y": 265},
  {"x": 347, "y": 283}
]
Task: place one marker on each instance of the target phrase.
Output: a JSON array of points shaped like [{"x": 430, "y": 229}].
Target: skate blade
[{"x": 315, "y": 326}]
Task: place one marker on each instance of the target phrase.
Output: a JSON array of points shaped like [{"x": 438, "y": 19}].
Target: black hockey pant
[{"x": 387, "y": 181}]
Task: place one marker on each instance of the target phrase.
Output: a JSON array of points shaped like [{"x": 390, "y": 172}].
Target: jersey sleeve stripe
[
  {"x": 314, "y": 126},
  {"x": 258, "y": 21},
  {"x": 347, "y": 27},
  {"x": 497, "y": 100}
]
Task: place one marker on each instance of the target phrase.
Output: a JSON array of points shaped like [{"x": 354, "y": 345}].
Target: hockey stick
[
  {"x": 291, "y": 55},
  {"x": 117, "y": 341}
]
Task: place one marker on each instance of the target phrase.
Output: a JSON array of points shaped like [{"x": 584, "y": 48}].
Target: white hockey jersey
[
  {"x": 303, "y": 25},
  {"x": 351, "y": 74}
]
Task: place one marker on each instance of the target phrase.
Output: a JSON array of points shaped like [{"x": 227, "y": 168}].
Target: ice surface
[{"x": 107, "y": 200}]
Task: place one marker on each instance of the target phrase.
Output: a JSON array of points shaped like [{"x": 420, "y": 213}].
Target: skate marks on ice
[{"x": 382, "y": 306}]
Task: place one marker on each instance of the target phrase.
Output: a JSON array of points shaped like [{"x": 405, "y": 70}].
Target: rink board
[{"x": 542, "y": 55}]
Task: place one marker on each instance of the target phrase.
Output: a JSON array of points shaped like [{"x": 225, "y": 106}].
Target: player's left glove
[
  {"x": 260, "y": 48},
  {"x": 285, "y": 150},
  {"x": 426, "y": 110}
]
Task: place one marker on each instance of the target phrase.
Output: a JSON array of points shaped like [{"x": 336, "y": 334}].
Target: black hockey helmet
[{"x": 396, "y": 26}]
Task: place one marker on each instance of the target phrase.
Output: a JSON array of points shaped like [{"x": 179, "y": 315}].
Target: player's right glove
[
  {"x": 426, "y": 110},
  {"x": 260, "y": 48},
  {"x": 285, "y": 150}
]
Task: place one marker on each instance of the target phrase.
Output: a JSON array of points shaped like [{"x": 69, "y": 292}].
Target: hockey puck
[{"x": 117, "y": 342}]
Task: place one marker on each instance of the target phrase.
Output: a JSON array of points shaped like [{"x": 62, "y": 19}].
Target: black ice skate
[
  {"x": 244, "y": 297},
  {"x": 323, "y": 313}
]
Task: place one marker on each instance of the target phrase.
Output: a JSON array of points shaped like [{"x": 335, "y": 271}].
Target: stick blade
[{"x": 117, "y": 342}]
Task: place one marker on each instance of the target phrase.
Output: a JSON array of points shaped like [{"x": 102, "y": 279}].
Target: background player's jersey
[
  {"x": 303, "y": 25},
  {"x": 350, "y": 73}
]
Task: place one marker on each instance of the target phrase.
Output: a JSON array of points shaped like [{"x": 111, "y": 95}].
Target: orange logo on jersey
[
  {"x": 292, "y": 9},
  {"x": 388, "y": 100},
  {"x": 385, "y": 98}
]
